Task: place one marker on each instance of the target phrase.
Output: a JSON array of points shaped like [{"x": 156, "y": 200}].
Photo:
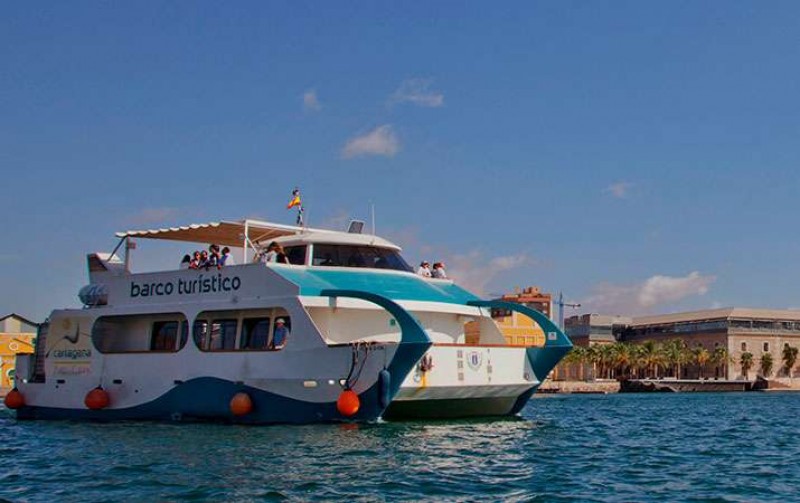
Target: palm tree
[
  {"x": 766, "y": 364},
  {"x": 605, "y": 356},
  {"x": 789, "y": 358},
  {"x": 701, "y": 358},
  {"x": 651, "y": 358},
  {"x": 720, "y": 358},
  {"x": 746, "y": 361},
  {"x": 590, "y": 358},
  {"x": 677, "y": 354},
  {"x": 578, "y": 355},
  {"x": 636, "y": 360},
  {"x": 622, "y": 354}
]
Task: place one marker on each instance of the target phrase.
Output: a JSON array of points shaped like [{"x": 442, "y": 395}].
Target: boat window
[
  {"x": 296, "y": 254},
  {"x": 358, "y": 256},
  {"x": 164, "y": 336},
  {"x": 140, "y": 333},
  {"x": 255, "y": 333},
  {"x": 261, "y": 330},
  {"x": 215, "y": 335}
]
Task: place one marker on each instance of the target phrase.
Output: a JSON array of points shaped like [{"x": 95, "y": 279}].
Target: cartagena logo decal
[{"x": 72, "y": 337}]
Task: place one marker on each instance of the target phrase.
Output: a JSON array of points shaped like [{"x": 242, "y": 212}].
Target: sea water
[{"x": 626, "y": 447}]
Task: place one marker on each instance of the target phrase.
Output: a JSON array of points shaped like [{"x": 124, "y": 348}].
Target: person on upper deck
[
  {"x": 195, "y": 262},
  {"x": 203, "y": 264},
  {"x": 438, "y": 270},
  {"x": 424, "y": 269},
  {"x": 226, "y": 258},
  {"x": 213, "y": 257},
  {"x": 186, "y": 262},
  {"x": 282, "y": 257},
  {"x": 272, "y": 253}
]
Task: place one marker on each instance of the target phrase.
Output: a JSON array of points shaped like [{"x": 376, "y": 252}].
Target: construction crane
[{"x": 560, "y": 303}]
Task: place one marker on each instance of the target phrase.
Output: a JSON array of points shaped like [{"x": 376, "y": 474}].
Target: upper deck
[{"x": 318, "y": 260}]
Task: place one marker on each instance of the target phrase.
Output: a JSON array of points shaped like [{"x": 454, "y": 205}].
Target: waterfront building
[
  {"x": 519, "y": 330},
  {"x": 17, "y": 336},
  {"x": 759, "y": 332},
  {"x": 762, "y": 334},
  {"x": 591, "y": 329}
]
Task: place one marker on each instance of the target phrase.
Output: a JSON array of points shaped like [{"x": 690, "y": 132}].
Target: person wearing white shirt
[{"x": 424, "y": 269}]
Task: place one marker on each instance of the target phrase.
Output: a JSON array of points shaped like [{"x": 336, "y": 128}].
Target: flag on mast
[{"x": 296, "y": 201}]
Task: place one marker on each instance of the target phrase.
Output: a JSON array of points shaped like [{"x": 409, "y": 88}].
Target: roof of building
[
  {"x": 598, "y": 319},
  {"x": 716, "y": 314},
  {"x": 21, "y": 318}
]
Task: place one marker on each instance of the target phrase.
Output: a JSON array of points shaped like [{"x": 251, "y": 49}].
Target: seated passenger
[
  {"x": 186, "y": 262},
  {"x": 279, "y": 335},
  {"x": 226, "y": 258}
]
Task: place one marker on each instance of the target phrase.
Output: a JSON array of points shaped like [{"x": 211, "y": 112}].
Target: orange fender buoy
[
  {"x": 348, "y": 403},
  {"x": 14, "y": 399},
  {"x": 97, "y": 399},
  {"x": 241, "y": 404}
]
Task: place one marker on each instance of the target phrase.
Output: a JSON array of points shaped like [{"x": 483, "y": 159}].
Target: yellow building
[
  {"x": 17, "y": 336},
  {"x": 518, "y": 329}
]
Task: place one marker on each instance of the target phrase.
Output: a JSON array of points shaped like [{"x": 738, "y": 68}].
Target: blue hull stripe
[{"x": 208, "y": 399}]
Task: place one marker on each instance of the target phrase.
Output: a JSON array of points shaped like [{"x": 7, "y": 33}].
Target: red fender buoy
[
  {"x": 348, "y": 403},
  {"x": 241, "y": 404},
  {"x": 97, "y": 399},
  {"x": 14, "y": 399}
]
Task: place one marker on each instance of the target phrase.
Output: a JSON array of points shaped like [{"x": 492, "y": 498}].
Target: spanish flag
[{"x": 295, "y": 201}]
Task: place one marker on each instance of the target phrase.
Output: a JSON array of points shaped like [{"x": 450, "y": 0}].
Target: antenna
[
  {"x": 372, "y": 211},
  {"x": 561, "y": 305}
]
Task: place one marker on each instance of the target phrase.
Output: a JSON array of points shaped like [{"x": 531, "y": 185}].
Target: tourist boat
[{"x": 345, "y": 330}]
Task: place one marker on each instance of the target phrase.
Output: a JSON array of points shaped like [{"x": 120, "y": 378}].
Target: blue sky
[{"x": 643, "y": 157}]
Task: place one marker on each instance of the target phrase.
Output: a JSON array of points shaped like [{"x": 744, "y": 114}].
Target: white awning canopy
[{"x": 221, "y": 233}]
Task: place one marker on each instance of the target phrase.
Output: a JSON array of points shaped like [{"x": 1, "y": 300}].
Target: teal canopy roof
[{"x": 391, "y": 285}]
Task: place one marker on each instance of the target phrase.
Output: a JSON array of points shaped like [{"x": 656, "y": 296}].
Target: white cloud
[
  {"x": 310, "y": 101},
  {"x": 418, "y": 92},
  {"x": 474, "y": 272},
  {"x": 642, "y": 297},
  {"x": 619, "y": 190},
  {"x": 380, "y": 141}
]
